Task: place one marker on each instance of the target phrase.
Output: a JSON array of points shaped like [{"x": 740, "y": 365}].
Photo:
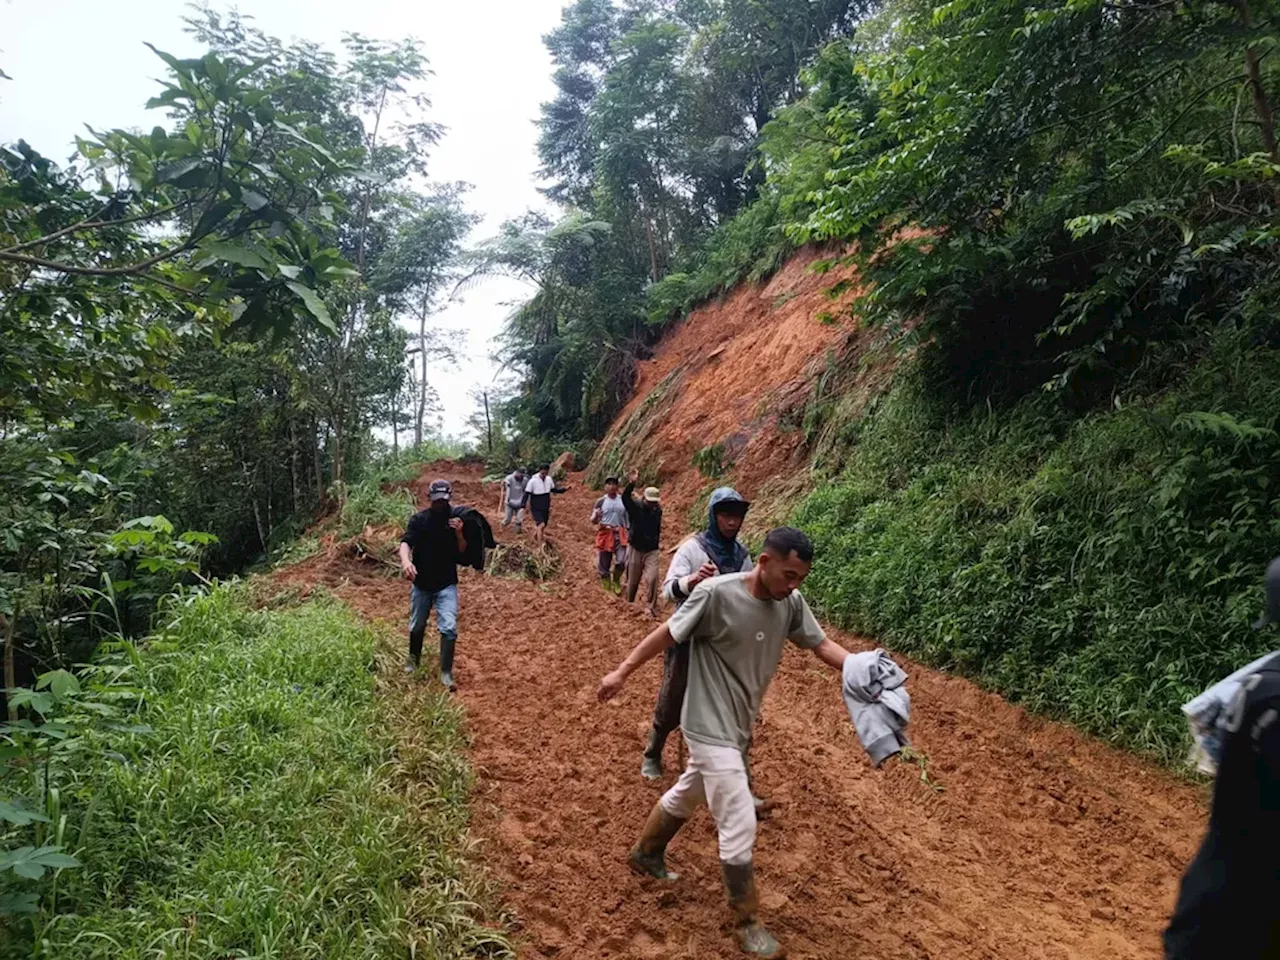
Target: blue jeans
[{"x": 420, "y": 603}]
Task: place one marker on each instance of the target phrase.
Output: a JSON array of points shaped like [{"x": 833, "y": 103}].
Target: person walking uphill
[
  {"x": 433, "y": 545},
  {"x": 735, "y": 627},
  {"x": 710, "y": 553},
  {"x": 646, "y": 532},
  {"x": 610, "y": 516}
]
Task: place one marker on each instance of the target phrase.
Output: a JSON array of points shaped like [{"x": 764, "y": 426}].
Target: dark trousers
[{"x": 666, "y": 713}]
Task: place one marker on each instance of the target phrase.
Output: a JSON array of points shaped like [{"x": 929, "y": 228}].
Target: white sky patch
[{"x": 77, "y": 62}]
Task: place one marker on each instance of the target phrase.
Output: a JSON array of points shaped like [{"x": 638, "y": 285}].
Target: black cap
[
  {"x": 1271, "y": 589},
  {"x": 440, "y": 490},
  {"x": 609, "y": 480}
]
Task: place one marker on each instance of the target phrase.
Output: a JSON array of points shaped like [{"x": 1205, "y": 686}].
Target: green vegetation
[
  {"x": 1062, "y": 214},
  {"x": 203, "y": 324},
  {"x": 651, "y": 147},
  {"x": 712, "y": 462},
  {"x": 251, "y": 805},
  {"x": 1102, "y": 569}
]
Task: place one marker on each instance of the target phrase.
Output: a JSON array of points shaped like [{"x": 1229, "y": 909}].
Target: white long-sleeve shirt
[{"x": 688, "y": 558}]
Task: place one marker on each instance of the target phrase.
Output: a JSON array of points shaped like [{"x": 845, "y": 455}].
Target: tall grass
[
  {"x": 267, "y": 813},
  {"x": 1101, "y": 569}
]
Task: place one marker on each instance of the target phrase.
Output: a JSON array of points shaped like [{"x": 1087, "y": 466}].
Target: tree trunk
[
  {"x": 339, "y": 468},
  {"x": 319, "y": 463},
  {"x": 1261, "y": 106},
  {"x": 293, "y": 463},
  {"x": 10, "y": 674},
  {"x": 257, "y": 508},
  {"x": 488, "y": 424},
  {"x": 422, "y": 382}
]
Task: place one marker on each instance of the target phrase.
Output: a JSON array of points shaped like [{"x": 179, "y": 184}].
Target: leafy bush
[
  {"x": 369, "y": 505},
  {"x": 257, "y": 812},
  {"x": 1099, "y": 569}
]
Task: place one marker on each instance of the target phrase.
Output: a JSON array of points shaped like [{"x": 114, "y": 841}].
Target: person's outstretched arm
[
  {"x": 645, "y": 650},
  {"x": 831, "y": 653}
]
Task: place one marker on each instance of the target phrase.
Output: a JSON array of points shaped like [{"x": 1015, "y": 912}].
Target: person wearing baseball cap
[
  {"x": 433, "y": 545},
  {"x": 645, "y": 516},
  {"x": 1229, "y": 901}
]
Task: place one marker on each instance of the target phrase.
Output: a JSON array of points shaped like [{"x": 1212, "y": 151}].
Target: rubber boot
[
  {"x": 447, "y": 644},
  {"x": 415, "y": 650},
  {"x": 651, "y": 766},
  {"x": 752, "y": 937},
  {"x": 649, "y": 855}
]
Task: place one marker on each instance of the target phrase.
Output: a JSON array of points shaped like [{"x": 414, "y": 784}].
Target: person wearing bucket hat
[
  {"x": 1227, "y": 902},
  {"x": 433, "y": 545},
  {"x": 646, "y": 532}
]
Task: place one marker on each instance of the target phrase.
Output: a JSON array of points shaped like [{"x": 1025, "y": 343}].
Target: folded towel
[{"x": 876, "y": 695}]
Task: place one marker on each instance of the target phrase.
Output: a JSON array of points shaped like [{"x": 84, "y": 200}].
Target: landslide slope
[{"x": 724, "y": 398}]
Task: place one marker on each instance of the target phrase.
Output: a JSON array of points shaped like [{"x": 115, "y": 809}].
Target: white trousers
[{"x": 717, "y": 777}]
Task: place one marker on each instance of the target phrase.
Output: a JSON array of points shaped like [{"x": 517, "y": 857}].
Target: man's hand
[
  {"x": 634, "y": 476},
  {"x": 410, "y": 571},
  {"x": 704, "y": 572},
  {"x": 455, "y": 524},
  {"x": 611, "y": 685}
]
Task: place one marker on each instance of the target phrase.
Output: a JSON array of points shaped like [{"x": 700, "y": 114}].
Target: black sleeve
[
  {"x": 1266, "y": 729},
  {"x": 628, "y": 501},
  {"x": 559, "y": 489},
  {"x": 413, "y": 531}
]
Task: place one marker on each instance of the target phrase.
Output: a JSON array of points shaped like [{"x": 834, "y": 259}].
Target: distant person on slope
[
  {"x": 735, "y": 628},
  {"x": 432, "y": 547},
  {"x": 513, "y": 499},
  {"x": 710, "y": 553},
  {"x": 610, "y": 516},
  {"x": 646, "y": 531},
  {"x": 538, "y": 493},
  {"x": 1229, "y": 901}
]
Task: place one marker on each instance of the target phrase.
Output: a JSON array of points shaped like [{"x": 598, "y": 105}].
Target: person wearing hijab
[{"x": 709, "y": 553}]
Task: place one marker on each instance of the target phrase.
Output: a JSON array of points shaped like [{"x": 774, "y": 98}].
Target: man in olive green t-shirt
[{"x": 736, "y": 627}]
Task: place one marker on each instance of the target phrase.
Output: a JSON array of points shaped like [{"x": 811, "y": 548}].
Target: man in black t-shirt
[{"x": 432, "y": 547}]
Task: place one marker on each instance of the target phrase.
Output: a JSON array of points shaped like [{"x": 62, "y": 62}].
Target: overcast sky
[{"x": 77, "y": 62}]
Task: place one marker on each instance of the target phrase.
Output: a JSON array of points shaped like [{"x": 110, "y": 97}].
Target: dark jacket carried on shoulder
[{"x": 478, "y": 534}]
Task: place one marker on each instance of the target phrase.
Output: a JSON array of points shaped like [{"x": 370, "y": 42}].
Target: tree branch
[
  {"x": 87, "y": 224},
  {"x": 124, "y": 271}
]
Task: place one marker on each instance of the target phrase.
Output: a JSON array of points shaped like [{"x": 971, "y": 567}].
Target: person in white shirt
[{"x": 538, "y": 493}]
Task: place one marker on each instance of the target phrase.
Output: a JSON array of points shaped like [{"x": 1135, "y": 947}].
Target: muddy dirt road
[{"x": 1042, "y": 845}]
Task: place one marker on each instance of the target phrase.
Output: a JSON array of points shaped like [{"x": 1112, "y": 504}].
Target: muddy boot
[
  {"x": 651, "y": 766},
  {"x": 446, "y": 662},
  {"x": 752, "y": 937},
  {"x": 649, "y": 855},
  {"x": 411, "y": 664}
]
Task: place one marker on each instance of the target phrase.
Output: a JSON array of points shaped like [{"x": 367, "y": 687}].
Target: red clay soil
[
  {"x": 1041, "y": 845},
  {"x": 746, "y": 362}
]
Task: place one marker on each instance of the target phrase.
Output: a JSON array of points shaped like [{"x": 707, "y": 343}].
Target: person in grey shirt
[
  {"x": 513, "y": 499},
  {"x": 706, "y": 554},
  {"x": 736, "y": 627},
  {"x": 610, "y": 516}
]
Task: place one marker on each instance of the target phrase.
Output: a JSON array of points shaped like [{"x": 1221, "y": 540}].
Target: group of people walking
[{"x": 721, "y": 648}]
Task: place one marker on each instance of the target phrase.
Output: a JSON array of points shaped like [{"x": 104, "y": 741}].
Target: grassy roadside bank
[
  {"x": 1099, "y": 568},
  {"x": 277, "y": 806}
]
